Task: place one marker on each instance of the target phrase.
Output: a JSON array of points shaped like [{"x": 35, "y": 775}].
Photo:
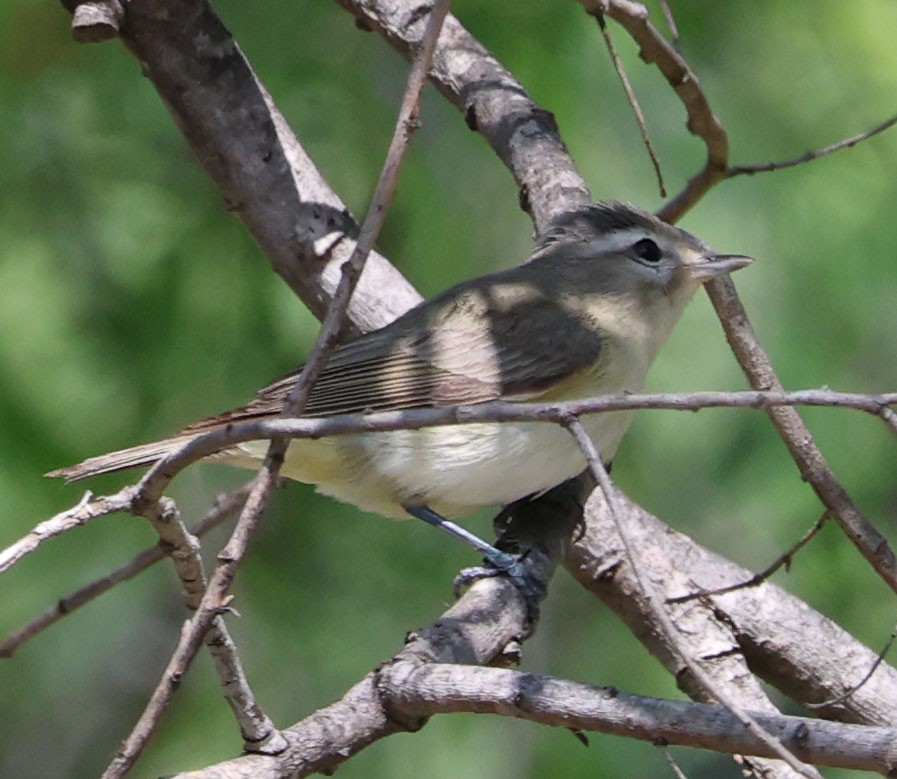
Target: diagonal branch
[
  {"x": 797, "y": 437},
  {"x": 245, "y": 145},
  {"x": 706, "y": 685},
  {"x": 256, "y": 727},
  {"x": 484, "y": 626},
  {"x": 633, "y": 102},
  {"x": 225, "y": 507},
  {"x": 86, "y": 510},
  {"x": 494, "y": 103},
  {"x": 778, "y": 634},
  {"x": 845, "y": 143},
  {"x": 702, "y": 122},
  {"x": 215, "y": 596}
]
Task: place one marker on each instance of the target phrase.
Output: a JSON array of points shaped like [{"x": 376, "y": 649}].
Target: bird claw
[{"x": 503, "y": 564}]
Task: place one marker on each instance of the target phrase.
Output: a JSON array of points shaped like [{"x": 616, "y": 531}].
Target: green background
[{"x": 131, "y": 302}]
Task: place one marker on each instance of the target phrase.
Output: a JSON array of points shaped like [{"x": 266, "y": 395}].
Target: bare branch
[
  {"x": 406, "y": 123},
  {"x": 435, "y": 689},
  {"x": 633, "y": 102},
  {"x": 668, "y": 756},
  {"x": 797, "y": 437},
  {"x": 671, "y": 25},
  {"x": 412, "y": 691},
  {"x": 484, "y": 625},
  {"x": 766, "y": 624},
  {"x": 257, "y": 729},
  {"x": 160, "y": 475},
  {"x": 783, "y": 560},
  {"x": 866, "y": 676},
  {"x": 481, "y": 625},
  {"x": 214, "y": 598},
  {"x": 702, "y": 122},
  {"x": 722, "y": 292},
  {"x": 225, "y": 506},
  {"x": 255, "y": 160},
  {"x": 86, "y": 510},
  {"x": 710, "y": 686},
  {"x": 846, "y": 143},
  {"x": 494, "y": 103}
]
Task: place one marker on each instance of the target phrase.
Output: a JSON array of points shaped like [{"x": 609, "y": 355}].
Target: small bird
[{"x": 585, "y": 316}]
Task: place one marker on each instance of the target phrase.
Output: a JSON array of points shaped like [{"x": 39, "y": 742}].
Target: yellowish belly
[{"x": 452, "y": 469}]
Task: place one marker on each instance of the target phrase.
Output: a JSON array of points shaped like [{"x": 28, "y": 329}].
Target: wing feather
[
  {"x": 440, "y": 353},
  {"x": 452, "y": 360}
]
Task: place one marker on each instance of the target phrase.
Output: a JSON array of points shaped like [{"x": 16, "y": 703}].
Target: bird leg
[{"x": 497, "y": 561}]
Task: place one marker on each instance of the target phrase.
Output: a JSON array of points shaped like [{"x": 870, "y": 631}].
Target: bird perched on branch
[{"x": 585, "y": 316}]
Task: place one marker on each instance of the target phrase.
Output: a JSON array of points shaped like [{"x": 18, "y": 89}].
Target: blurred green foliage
[{"x": 131, "y": 302}]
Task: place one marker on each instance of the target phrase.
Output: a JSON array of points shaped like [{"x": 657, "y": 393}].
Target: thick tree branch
[
  {"x": 418, "y": 683},
  {"x": 255, "y": 160},
  {"x": 715, "y": 682},
  {"x": 429, "y": 690},
  {"x": 259, "y": 732},
  {"x": 484, "y": 626},
  {"x": 423, "y": 690},
  {"x": 783, "y": 639}
]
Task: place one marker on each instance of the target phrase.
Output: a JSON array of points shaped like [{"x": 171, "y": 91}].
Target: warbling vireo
[{"x": 585, "y": 316}]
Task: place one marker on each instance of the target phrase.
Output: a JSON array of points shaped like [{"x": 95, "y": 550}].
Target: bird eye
[{"x": 647, "y": 250}]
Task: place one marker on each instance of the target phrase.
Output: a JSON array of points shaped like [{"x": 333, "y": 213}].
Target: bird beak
[{"x": 715, "y": 265}]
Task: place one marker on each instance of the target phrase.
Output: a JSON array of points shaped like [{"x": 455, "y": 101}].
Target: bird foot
[{"x": 515, "y": 568}]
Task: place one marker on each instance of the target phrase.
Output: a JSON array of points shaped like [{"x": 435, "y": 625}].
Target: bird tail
[{"x": 145, "y": 454}]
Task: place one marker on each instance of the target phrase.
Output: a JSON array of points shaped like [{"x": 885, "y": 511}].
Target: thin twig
[
  {"x": 256, "y": 728},
  {"x": 665, "y": 750},
  {"x": 702, "y": 122},
  {"x": 846, "y": 143},
  {"x": 215, "y": 598},
  {"x": 866, "y": 677},
  {"x": 633, "y": 101},
  {"x": 225, "y": 507},
  {"x": 498, "y": 411},
  {"x": 494, "y": 104},
  {"x": 671, "y": 25},
  {"x": 596, "y": 467},
  {"x": 759, "y": 578},
  {"x": 812, "y": 465},
  {"x": 87, "y": 509}
]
